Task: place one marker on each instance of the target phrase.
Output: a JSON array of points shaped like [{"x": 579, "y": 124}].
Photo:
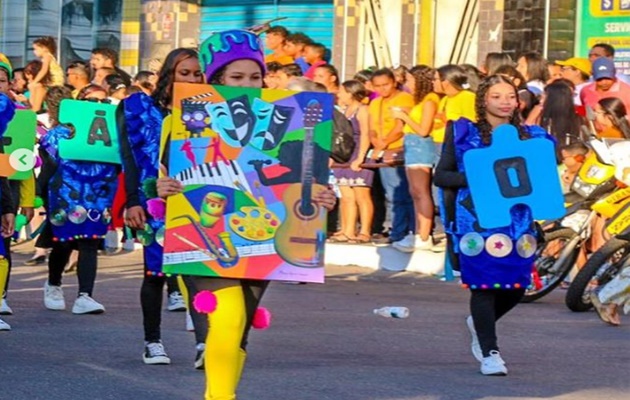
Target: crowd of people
[{"x": 413, "y": 123}]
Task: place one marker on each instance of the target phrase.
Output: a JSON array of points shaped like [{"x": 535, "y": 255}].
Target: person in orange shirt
[
  {"x": 275, "y": 41},
  {"x": 386, "y": 133},
  {"x": 611, "y": 119}
]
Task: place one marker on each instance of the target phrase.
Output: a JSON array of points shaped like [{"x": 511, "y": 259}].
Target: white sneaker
[
  {"x": 199, "y": 357},
  {"x": 424, "y": 244},
  {"x": 176, "y": 302},
  {"x": 129, "y": 245},
  {"x": 4, "y": 308},
  {"x": 4, "y": 326},
  {"x": 474, "y": 345},
  {"x": 493, "y": 365},
  {"x": 154, "y": 354},
  {"x": 439, "y": 247},
  {"x": 53, "y": 297},
  {"x": 84, "y": 304},
  {"x": 406, "y": 244},
  {"x": 190, "y": 327}
]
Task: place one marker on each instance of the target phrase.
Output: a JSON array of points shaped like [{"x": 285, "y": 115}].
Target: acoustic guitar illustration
[{"x": 300, "y": 238}]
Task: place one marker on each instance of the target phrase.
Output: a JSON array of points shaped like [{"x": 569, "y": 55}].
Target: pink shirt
[
  {"x": 590, "y": 96},
  {"x": 310, "y": 74}
]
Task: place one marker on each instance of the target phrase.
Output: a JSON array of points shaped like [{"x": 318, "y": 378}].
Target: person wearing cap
[
  {"x": 578, "y": 71},
  {"x": 606, "y": 50},
  {"x": 231, "y": 58},
  {"x": 605, "y": 84}
]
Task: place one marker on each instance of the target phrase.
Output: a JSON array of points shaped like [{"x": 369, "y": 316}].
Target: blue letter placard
[{"x": 512, "y": 171}]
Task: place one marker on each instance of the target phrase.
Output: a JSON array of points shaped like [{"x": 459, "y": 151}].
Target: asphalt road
[{"x": 324, "y": 343}]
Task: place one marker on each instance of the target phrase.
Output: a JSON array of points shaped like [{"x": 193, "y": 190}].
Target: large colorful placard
[
  {"x": 510, "y": 172},
  {"x": 605, "y": 21},
  {"x": 18, "y": 142},
  {"x": 251, "y": 161},
  {"x": 96, "y": 133}
]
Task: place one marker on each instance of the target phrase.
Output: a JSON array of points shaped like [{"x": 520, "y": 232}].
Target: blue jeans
[{"x": 398, "y": 201}]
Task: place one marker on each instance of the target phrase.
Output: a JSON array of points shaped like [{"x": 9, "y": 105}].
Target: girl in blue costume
[
  {"x": 79, "y": 202},
  {"x": 231, "y": 58},
  {"x": 22, "y": 192},
  {"x": 7, "y": 111},
  {"x": 495, "y": 263},
  {"x": 140, "y": 125}
]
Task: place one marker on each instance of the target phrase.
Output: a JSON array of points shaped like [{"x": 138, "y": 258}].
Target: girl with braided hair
[{"x": 495, "y": 263}]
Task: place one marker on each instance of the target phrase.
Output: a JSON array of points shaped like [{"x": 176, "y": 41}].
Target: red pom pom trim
[
  {"x": 205, "y": 302},
  {"x": 262, "y": 318}
]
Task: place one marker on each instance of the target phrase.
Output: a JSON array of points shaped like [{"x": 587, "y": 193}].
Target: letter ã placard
[{"x": 96, "y": 134}]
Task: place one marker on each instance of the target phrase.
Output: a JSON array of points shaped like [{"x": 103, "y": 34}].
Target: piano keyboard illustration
[
  {"x": 208, "y": 174},
  {"x": 198, "y": 256}
]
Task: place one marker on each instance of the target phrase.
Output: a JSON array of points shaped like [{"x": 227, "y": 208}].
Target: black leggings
[
  {"x": 486, "y": 308},
  {"x": 86, "y": 265},
  {"x": 252, "y": 289},
  {"x": 151, "y": 296}
]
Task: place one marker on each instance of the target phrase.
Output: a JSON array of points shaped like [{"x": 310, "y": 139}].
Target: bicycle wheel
[
  {"x": 600, "y": 269},
  {"x": 545, "y": 277}
]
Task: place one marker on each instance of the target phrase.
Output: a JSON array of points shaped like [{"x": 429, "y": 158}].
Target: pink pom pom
[
  {"x": 262, "y": 318},
  {"x": 205, "y": 302},
  {"x": 157, "y": 208},
  {"x": 38, "y": 162}
]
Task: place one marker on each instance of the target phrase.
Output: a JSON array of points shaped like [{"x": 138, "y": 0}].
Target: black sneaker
[
  {"x": 36, "y": 261},
  {"x": 201, "y": 351},
  {"x": 154, "y": 354}
]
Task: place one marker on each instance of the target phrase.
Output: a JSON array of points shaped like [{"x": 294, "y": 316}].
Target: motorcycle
[
  {"x": 592, "y": 193},
  {"x": 610, "y": 259}
]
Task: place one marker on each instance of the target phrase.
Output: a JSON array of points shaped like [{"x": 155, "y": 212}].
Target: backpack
[{"x": 342, "y": 145}]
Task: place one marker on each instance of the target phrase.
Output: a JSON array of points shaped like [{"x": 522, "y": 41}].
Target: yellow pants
[
  {"x": 4, "y": 274},
  {"x": 224, "y": 358}
]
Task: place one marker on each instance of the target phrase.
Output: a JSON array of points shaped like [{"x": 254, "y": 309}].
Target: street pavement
[{"x": 324, "y": 344}]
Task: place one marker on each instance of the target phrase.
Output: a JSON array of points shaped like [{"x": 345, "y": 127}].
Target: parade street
[{"x": 324, "y": 343}]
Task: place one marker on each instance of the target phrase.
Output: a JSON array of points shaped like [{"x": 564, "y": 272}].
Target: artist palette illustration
[
  {"x": 251, "y": 162},
  {"x": 255, "y": 223}
]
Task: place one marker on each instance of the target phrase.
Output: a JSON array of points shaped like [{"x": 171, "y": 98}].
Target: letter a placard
[{"x": 96, "y": 134}]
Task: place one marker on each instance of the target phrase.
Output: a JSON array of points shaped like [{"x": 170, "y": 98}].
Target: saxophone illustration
[{"x": 226, "y": 255}]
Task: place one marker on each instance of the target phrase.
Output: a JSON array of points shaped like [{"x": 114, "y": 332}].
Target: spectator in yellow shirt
[
  {"x": 275, "y": 41},
  {"x": 386, "y": 133},
  {"x": 458, "y": 101}
]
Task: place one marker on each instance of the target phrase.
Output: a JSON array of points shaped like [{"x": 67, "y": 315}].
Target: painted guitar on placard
[{"x": 301, "y": 237}]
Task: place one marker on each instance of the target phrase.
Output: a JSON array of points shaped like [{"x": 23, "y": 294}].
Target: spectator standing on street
[
  {"x": 108, "y": 58},
  {"x": 419, "y": 156},
  {"x": 606, "y": 84},
  {"x": 275, "y": 39},
  {"x": 78, "y": 77},
  {"x": 578, "y": 71},
  {"x": 314, "y": 55},
  {"x": 355, "y": 182},
  {"x": 386, "y": 133}
]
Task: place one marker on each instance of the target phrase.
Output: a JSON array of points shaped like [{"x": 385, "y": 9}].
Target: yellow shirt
[
  {"x": 57, "y": 77},
  {"x": 454, "y": 108},
  {"x": 284, "y": 59},
  {"x": 381, "y": 119},
  {"x": 416, "y": 112}
]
